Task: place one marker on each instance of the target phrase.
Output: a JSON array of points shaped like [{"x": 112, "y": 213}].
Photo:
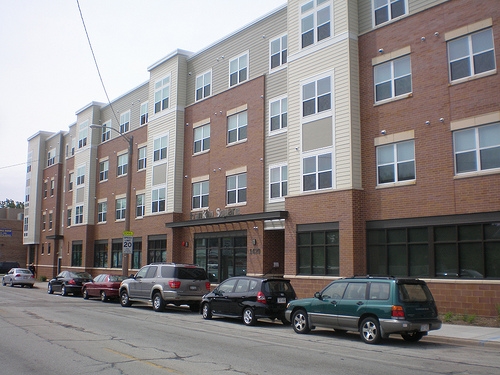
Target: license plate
[
  {"x": 282, "y": 300},
  {"x": 424, "y": 328},
  {"x": 193, "y": 287}
]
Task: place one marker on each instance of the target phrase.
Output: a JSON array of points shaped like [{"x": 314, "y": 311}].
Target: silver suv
[{"x": 166, "y": 283}]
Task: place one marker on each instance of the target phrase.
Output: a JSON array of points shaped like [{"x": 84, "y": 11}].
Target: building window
[
  {"x": 125, "y": 122},
  {"x": 385, "y": 10},
  {"x": 101, "y": 254},
  {"x": 157, "y": 249},
  {"x": 106, "y": 131},
  {"x": 82, "y": 134},
  {"x": 278, "y": 182},
  {"x": 45, "y": 191},
  {"x": 315, "y": 21},
  {"x": 236, "y": 188},
  {"x": 44, "y": 220},
  {"x": 122, "y": 165},
  {"x": 141, "y": 158},
  {"x": 201, "y": 138},
  {"x": 237, "y": 127},
  {"x": 102, "y": 209},
  {"x": 52, "y": 187},
  {"x": 396, "y": 162},
  {"x": 51, "y": 158},
  {"x": 116, "y": 253},
  {"x": 79, "y": 214},
  {"x": 471, "y": 55},
  {"x": 80, "y": 175},
  {"x": 200, "y": 194},
  {"x": 317, "y": 172},
  {"x": 137, "y": 253},
  {"x": 71, "y": 177},
  {"x": 477, "y": 149},
  {"x": 318, "y": 253},
  {"x": 162, "y": 94},
  {"x": 278, "y": 114},
  {"x": 203, "y": 85},
  {"x": 121, "y": 207},
  {"x": 158, "y": 200},
  {"x": 316, "y": 96},
  {"x": 144, "y": 113},
  {"x": 26, "y": 225},
  {"x": 76, "y": 254},
  {"x": 392, "y": 79},
  {"x": 279, "y": 51},
  {"x": 103, "y": 170},
  {"x": 68, "y": 219},
  {"x": 50, "y": 220},
  {"x": 238, "y": 70},
  {"x": 160, "y": 148},
  {"x": 140, "y": 205}
]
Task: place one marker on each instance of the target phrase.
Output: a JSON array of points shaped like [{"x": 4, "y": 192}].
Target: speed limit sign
[{"x": 128, "y": 245}]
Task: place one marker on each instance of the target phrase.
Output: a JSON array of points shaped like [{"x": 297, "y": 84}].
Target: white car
[{"x": 19, "y": 276}]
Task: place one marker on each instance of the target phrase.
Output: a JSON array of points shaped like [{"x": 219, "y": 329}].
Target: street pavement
[{"x": 465, "y": 335}]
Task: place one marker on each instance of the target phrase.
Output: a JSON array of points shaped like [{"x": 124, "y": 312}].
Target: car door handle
[
  {"x": 333, "y": 302},
  {"x": 360, "y": 303}
]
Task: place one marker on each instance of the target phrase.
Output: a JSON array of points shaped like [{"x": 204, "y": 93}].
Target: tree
[{"x": 9, "y": 203}]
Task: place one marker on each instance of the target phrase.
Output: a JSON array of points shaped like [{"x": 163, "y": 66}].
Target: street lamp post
[{"x": 128, "y": 197}]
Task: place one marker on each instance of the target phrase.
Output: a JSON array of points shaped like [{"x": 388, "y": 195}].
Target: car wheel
[
  {"x": 124, "y": 299},
  {"x": 206, "y": 311},
  {"x": 11, "y": 283},
  {"x": 49, "y": 289},
  {"x": 249, "y": 317},
  {"x": 3, "y": 282},
  {"x": 412, "y": 336},
  {"x": 85, "y": 294},
  {"x": 300, "y": 321},
  {"x": 158, "y": 302},
  {"x": 104, "y": 297},
  {"x": 31, "y": 285},
  {"x": 64, "y": 292},
  {"x": 370, "y": 330}
]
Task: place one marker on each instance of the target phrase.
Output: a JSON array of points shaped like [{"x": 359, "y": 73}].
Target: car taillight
[
  {"x": 398, "y": 312},
  {"x": 72, "y": 282},
  {"x": 207, "y": 285},
  {"x": 174, "y": 284},
  {"x": 261, "y": 297}
]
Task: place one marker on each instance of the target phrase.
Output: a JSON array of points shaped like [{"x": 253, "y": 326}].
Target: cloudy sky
[{"x": 47, "y": 71}]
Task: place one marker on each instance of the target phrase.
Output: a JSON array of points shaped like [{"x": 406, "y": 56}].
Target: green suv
[{"x": 376, "y": 307}]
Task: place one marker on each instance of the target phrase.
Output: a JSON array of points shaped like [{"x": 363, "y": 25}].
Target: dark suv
[
  {"x": 376, "y": 307},
  {"x": 249, "y": 298},
  {"x": 166, "y": 283}
]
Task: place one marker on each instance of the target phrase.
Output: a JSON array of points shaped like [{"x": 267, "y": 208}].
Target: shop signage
[{"x": 207, "y": 214}]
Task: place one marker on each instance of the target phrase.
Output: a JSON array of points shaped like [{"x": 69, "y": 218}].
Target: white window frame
[
  {"x": 380, "y": 4},
  {"x": 160, "y": 148},
  {"x": 106, "y": 131},
  {"x": 80, "y": 175},
  {"x": 158, "y": 196},
  {"x": 278, "y": 48},
  {"x": 162, "y": 94},
  {"x": 140, "y": 203},
  {"x": 317, "y": 172},
  {"x": 142, "y": 158},
  {"x": 102, "y": 210},
  {"x": 122, "y": 165},
  {"x": 201, "y": 137},
  {"x": 238, "y": 123},
  {"x": 278, "y": 108},
  {"x": 203, "y": 86},
  {"x": 278, "y": 176},
  {"x": 125, "y": 122},
  {"x": 200, "y": 192},
  {"x": 237, "y": 66},
  {"x": 71, "y": 181},
  {"x": 83, "y": 133},
  {"x": 79, "y": 214},
  {"x": 394, "y": 75},
  {"x": 397, "y": 160},
  {"x": 318, "y": 94},
  {"x": 237, "y": 183},
  {"x": 313, "y": 11},
  {"x": 103, "y": 170},
  {"x": 144, "y": 114},
  {"x": 120, "y": 208},
  {"x": 51, "y": 157}
]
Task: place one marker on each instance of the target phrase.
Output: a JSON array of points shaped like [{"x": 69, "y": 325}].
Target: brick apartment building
[
  {"x": 325, "y": 139},
  {"x": 11, "y": 236}
]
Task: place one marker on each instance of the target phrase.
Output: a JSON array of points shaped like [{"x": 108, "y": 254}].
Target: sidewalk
[{"x": 465, "y": 335}]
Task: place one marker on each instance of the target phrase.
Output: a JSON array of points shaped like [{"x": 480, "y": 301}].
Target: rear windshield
[
  {"x": 116, "y": 278},
  {"x": 414, "y": 293},
  {"x": 190, "y": 273},
  {"x": 275, "y": 286}
]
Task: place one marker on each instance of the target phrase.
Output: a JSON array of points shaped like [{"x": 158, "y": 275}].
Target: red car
[{"x": 104, "y": 286}]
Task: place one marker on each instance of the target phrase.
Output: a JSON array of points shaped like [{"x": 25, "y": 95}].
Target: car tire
[
  {"x": 300, "y": 321},
  {"x": 85, "y": 294},
  {"x": 3, "y": 282},
  {"x": 369, "y": 330},
  {"x": 11, "y": 283},
  {"x": 158, "y": 302},
  {"x": 412, "y": 336},
  {"x": 124, "y": 299},
  {"x": 49, "y": 289},
  {"x": 104, "y": 296},
  {"x": 249, "y": 316},
  {"x": 206, "y": 311},
  {"x": 31, "y": 285},
  {"x": 64, "y": 292}
]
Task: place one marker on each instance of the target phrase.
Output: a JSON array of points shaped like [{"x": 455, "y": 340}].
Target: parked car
[
  {"x": 104, "y": 286},
  {"x": 166, "y": 283},
  {"x": 68, "y": 282},
  {"x": 376, "y": 307},
  {"x": 19, "y": 276},
  {"x": 249, "y": 298},
  {"x": 6, "y": 266}
]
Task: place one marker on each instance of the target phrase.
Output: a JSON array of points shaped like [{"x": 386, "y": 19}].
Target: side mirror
[
  {"x": 132, "y": 276},
  {"x": 318, "y": 295}
]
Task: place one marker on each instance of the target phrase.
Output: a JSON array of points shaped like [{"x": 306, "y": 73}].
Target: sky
[{"x": 48, "y": 73}]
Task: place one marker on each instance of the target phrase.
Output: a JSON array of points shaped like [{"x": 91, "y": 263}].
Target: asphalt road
[{"x": 50, "y": 334}]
